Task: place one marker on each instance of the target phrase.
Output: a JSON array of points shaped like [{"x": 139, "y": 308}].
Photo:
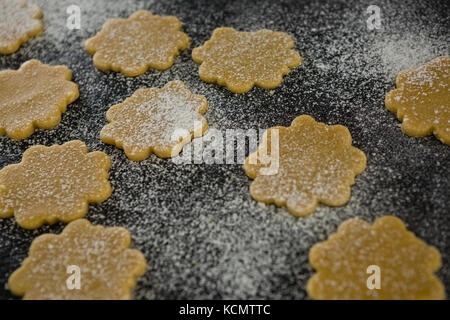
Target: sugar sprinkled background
[{"x": 201, "y": 232}]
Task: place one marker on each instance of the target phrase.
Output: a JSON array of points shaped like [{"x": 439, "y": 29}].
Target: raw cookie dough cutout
[
  {"x": 19, "y": 21},
  {"x": 406, "y": 263},
  {"x": 54, "y": 184},
  {"x": 107, "y": 267},
  {"x": 138, "y": 43},
  {"x": 422, "y": 100},
  {"x": 241, "y": 60},
  {"x": 148, "y": 121},
  {"x": 315, "y": 163},
  {"x": 34, "y": 97}
]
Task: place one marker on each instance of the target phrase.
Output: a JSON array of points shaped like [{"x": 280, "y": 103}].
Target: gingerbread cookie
[
  {"x": 379, "y": 261},
  {"x": 19, "y": 21},
  {"x": 422, "y": 100},
  {"x": 54, "y": 184},
  {"x": 84, "y": 262},
  {"x": 241, "y": 60},
  {"x": 310, "y": 162},
  {"x": 34, "y": 97},
  {"x": 149, "y": 120},
  {"x": 138, "y": 43}
]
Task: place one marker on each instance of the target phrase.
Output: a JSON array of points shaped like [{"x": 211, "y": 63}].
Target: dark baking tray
[{"x": 202, "y": 233}]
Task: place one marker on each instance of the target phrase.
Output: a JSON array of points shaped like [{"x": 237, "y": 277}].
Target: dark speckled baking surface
[{"x": 201, "y": 232}]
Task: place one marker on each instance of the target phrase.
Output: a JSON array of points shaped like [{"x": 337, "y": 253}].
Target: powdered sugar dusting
[
  {"x": 408, "y": 52},
  {"x": 316, "y": 164},
  {"x": 405, "y": 262},
  {"x": 150, "y": 119},
  {"x": 202, "y": 233},
  {"x": 133, "y": 45},
  {"x": 54, "y": 184},
  {"x": 107, "y": 268},
  {"x": 18, "y": 21},
  {"x": 240, "y": 59},
  {"x": 34, "y": 96}
]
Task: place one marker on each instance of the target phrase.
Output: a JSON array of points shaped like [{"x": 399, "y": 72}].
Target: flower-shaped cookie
[
  {"x": 240, "y": 60},
  {"x": 19, "y": 21},
  {"x": 156, "y": 120},
  {"x": 34, "y": 97},
  {"x": 422, "y": 100},
  {"x": 138, "y": 43},
  {"x": 313, "y": 163},
  {"x": 54, "y": 184},
  {"x": 350, "y": 261},
  {"x": 84, "y": 262}
]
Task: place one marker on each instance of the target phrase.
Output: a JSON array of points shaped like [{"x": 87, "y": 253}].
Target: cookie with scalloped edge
[
  {"x": 84, "y": 262},
  {"x": 241, "y": 60},
  {"x": 132, "y": 46},
  {"x": 422, "y": 100},
  {"x": 19, "y": 21},
  {"x": 34, "y": 97},
  {"x": 156, "y": 121},
  {"x": 54, "y": 184},
  {"x": 379, "y": 261},
  {"x": 307, "y": 163}
]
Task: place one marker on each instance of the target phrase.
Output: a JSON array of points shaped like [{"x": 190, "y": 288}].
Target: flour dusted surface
[{"x": 197, "y": 225}]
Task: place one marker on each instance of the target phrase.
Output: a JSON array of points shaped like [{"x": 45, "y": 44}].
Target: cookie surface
[
  {"x": 107, "y": 267},
  {"x": 53, "y": 184},
  {"x": 34, "y": 97},
  {"x": 147, "y": 122},
  {"x": 19, "y": 21},
  {"x": 132, "y": 46},
  {"x": 422, "y": 100},
  {"x": 313, "y": 163},
  {"x": 406, "y": 263},
  {"x": 241, "y": 60}
]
